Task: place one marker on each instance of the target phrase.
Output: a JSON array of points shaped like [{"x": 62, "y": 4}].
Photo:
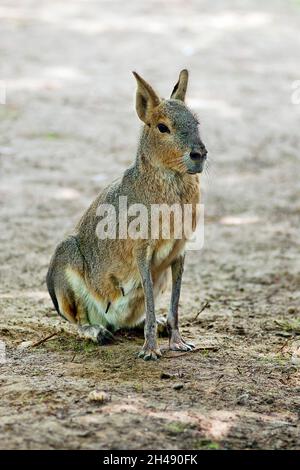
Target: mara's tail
[{"x": 51, "y": 290}]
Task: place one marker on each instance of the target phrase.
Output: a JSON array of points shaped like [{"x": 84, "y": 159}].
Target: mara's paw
[
  {"x": 97, "y": 334},
  {"x": 177, "y": 343},
  {"x": 150, "y": 354},
  {"x": 104, "y": 336}
]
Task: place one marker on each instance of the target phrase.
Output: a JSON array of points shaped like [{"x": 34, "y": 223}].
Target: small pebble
[
  {"x": 178, "y": 386},
  {"x": 242, "y": 399},
  {"x": 291, "y": 309},
  {"x": 295, "y": 360},
  {"x": 240, "y": 330},
  {"x": 165, "y": 375},
  {"x": 25, "y": 345},
  {"x": 98, "y": 396},
  {"x": 270, "y": 400}
]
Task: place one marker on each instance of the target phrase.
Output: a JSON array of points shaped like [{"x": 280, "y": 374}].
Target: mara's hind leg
[
  {"x": 97, "y": 333},
  {"x": 69, "y": 298},
  {"x": 74, "y": 309}
]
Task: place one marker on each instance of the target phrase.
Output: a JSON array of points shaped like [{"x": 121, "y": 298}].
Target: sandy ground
[{"x": 67, "y": 128}]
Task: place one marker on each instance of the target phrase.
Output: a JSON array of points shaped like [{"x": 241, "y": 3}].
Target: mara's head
[{"x": 171, "y": 132}]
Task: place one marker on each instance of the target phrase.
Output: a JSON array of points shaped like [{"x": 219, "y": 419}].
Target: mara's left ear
[
  {"x": 146, "y": 99},
  {"x": 179, "y": 90}
]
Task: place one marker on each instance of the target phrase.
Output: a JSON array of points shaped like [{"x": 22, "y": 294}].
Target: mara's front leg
[
  {"x": 177, "y": 343},
  {"x": 150, "y": 349}
]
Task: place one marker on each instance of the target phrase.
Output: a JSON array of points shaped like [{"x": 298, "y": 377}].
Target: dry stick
[
  {"x": 201, "y": 310},
  {"x": 219, "y": 378},
  {"x": 202, "y": 348},
  {"x": 285, "y": 344},
  {"x": 41, "y": 341}
]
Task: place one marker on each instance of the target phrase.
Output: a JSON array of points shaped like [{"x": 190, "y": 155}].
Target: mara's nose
[{"x": 198, "y": 156}]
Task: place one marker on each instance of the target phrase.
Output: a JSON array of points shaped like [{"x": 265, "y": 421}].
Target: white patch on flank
[
  {"x": 121, "y": 308},
  {"x": 118, "y": 310},
  {"x": 96, "y": 308}
]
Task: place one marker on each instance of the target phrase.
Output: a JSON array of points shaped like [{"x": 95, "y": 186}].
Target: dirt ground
[{"x": 67, "y": 128}]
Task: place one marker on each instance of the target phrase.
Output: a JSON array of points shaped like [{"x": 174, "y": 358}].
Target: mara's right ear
[
  {"x": 179, "y": 89},
  {"x": 146, "y": 99}
]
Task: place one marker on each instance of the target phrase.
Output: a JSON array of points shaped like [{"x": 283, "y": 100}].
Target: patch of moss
[
  {"x": 46, "y": 135},
  {"x": 138, "y": 387},
  {"x": 292, "y": 326},
  {"x": 205, "y": 444},
  {"x": 278, "y": 359},
  {"x": 70, "y": 343},
  {"x": 175, "y": 427},
  {"x": 53, "y": 135}
]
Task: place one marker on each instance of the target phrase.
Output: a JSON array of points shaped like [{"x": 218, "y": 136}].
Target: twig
[
  {"x": 202, "y": 348},
  {"x": 201, "y": 310},
  {"x": 284, "y": 344},
  {"x": 278, "y": 424},
  {"x": 41, "y": 341},
  {"x": 219, "y": 379}
]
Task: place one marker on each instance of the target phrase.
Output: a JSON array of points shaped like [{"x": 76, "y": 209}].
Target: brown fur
[{"x": 89, "y": 278}]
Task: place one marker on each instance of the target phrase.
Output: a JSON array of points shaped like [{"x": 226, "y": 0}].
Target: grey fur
[{"x": 104, "y": 284}]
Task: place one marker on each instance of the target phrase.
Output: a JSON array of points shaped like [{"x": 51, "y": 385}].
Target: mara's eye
[{"x": 163, "y": 128}]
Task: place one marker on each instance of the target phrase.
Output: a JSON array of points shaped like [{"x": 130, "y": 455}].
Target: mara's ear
[
  {"x": 146, "y": 99},
  {"x": 179, "y": 90}
]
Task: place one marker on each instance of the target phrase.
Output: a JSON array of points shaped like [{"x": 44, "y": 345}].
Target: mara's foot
[
  {"x": 97, "y": 334},
  {"x": 150, "y": 352},
  {"x": 177, "y": 343}
]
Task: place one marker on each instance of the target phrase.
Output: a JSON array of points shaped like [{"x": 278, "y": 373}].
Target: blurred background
[{"x": 68, "y": 126}]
